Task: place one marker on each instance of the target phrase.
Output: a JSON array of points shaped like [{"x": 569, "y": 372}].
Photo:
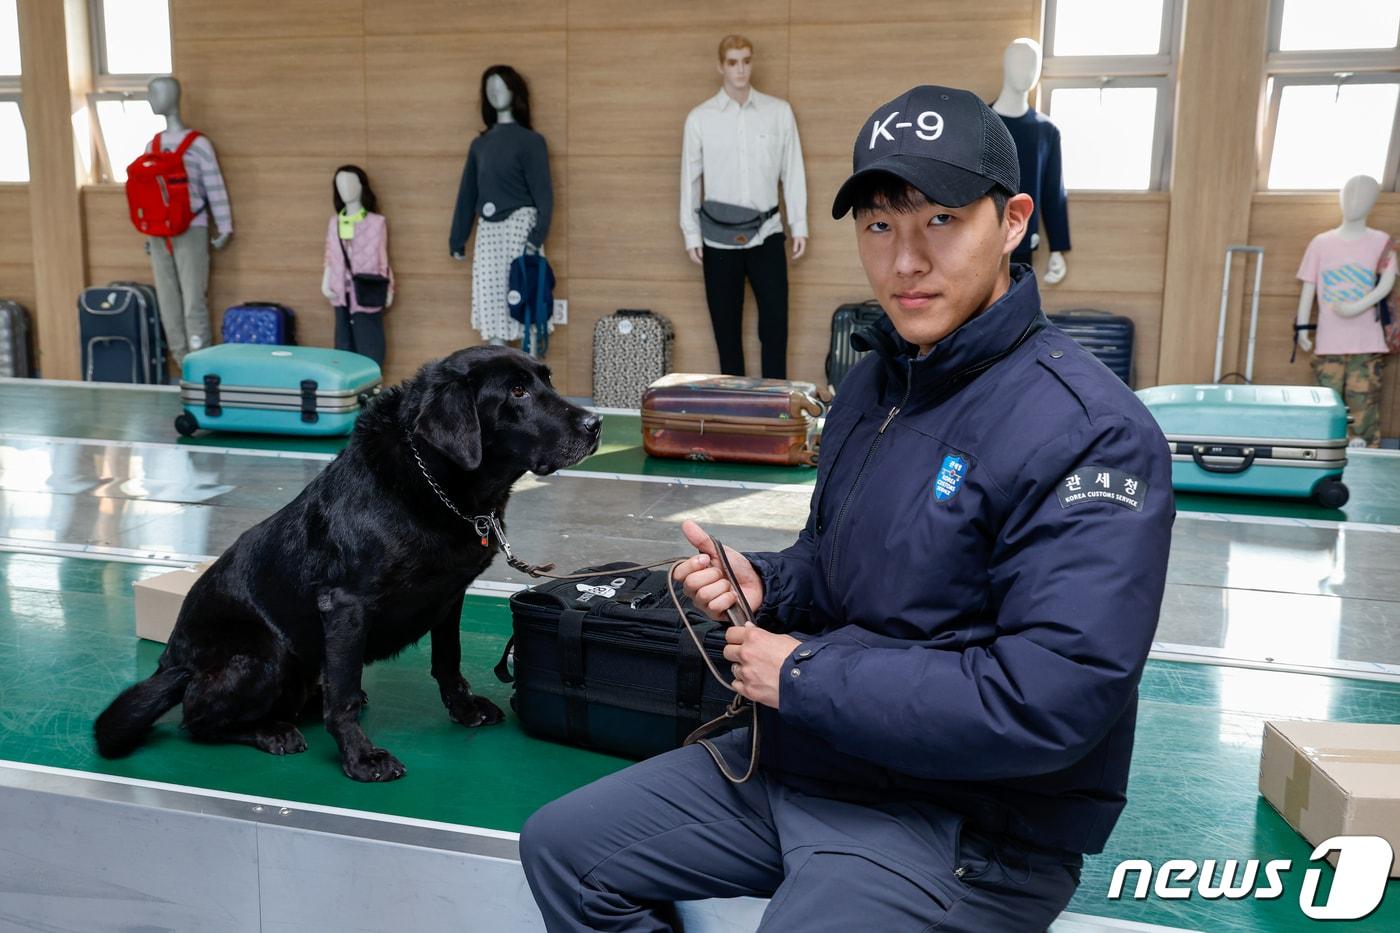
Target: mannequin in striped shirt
[{"x": 182, "y": 272}]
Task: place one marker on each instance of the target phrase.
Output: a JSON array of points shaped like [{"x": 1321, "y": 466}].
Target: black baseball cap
[{"x": 944, "y": 141}]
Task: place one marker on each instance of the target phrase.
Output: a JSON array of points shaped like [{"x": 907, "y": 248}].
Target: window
[
  {"x": 1333, "y": 93},
  {"x": 1109, "y": 74},
  {"x": 14, "y": 145},
  {"x": 130, "y": 46}
]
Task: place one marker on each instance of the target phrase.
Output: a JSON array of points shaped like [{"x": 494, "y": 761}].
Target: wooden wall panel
[
  {"x": 722, "y": 16},
  {"x": 424, "y": 91},
  {"x": 453, "y": 17},
  {"x": 834, "y": 88},
  {"x": 1213, "y": 172},
  {"x": 115, "y": 251},
  {"x": 627, "y": 102},
  {"x": 16, "y": 247},
  {"x": 1020, "y": 14},
  {"x": 279, "y": 97},
  {"x": 192, "y": 20}
]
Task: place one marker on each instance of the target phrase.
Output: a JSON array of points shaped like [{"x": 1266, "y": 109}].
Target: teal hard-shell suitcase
[
  {"x": 267, "y": 389},
  {"x": 1254, "y": 440}
]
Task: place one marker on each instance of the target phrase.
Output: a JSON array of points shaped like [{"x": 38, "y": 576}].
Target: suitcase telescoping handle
[
  {"x": 1199, "y": 452},
  {"x": 1258, "y": 252}
]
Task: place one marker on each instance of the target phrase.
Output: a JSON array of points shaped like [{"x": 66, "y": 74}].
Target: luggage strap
[
  {"x": 571, "y": 675},
  {"x": 212, "y": 408},
  {"x": 308, "y": 401}
]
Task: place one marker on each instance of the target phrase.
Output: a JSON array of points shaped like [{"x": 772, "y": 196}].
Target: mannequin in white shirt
[
  {"x": 1020, "y": 65},
  {"x": 348, "y": 184},
  {"x": 1357, "y": 197},
  {"x": 163, "y": 93},
  {"x": 736, "y": 71}
]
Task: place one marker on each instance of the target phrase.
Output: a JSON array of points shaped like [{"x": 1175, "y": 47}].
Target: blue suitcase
[
  {"x": 1250, "y": 440},
  {"x": 262, "y": 322},
  {"x": 275, "y": 390},
  {"x": 1109, "y": 337},
  {"x": 120, "y": 335}
]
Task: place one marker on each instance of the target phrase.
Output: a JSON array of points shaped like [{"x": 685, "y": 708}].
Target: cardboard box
[
  {"x": 158, "y": 601},
  {"x": 1334, "y": 779}
]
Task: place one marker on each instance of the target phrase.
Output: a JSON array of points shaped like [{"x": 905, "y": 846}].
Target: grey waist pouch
[{"x": 730, "y": 224}]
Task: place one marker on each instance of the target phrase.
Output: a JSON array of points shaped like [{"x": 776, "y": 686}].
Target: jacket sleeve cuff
[
  {"x": 801, "y": 695},
  {"x": 798, "y": 228},
  {"x": 784, "y": 609},
  {"x": 693, "y": 241}
]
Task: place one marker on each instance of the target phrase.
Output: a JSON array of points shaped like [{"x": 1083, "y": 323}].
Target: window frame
[
  {"x": 1274, "y": 85},
  {"x": 106, "y": 86},
  {"x": 1157, "y": 70},
  {"x": 11, "y": 93},
  {"x": 103, "y": 80}
]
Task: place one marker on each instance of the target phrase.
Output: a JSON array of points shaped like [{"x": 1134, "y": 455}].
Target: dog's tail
[{"x": 123, "y": 725}]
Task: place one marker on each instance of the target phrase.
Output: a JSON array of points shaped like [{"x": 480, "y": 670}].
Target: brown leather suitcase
[{"x": 735, "y": 419}]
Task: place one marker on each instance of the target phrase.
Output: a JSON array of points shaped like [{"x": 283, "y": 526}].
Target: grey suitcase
[
  {"x": 15, "y": 357},
  {"x": 631, "y": 350}
]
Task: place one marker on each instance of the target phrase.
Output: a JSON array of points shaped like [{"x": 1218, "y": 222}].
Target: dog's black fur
[{"x": 366, "y": 561}]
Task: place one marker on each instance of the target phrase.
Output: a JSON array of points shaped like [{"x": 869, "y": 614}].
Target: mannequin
[
  {"x": 1038, "y": 145},
  {"x": 738, "y": 146},
  {"x": 1356, "y": 267},
  {"x": 362, "y": 235},
  {"x": 506, "y": 184},
  {"x": 182, "y": 271}
]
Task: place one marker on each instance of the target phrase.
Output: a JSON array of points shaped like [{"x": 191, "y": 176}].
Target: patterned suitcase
[
  {"x": 120, "y": 336},
  {"x": 260, "y": 322},
  {"x": 1254, "y": 440},
  {"x": 845, "y": 321},
  {"x": 14, "y": 341},
  {"x": 1108, "y": 336},
  {"x": 631, "y": 350},
  {"x": 738, "y": 419},
  {"x": 275, "y": 390}
]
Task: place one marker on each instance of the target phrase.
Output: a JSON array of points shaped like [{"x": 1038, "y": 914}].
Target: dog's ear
[{"x": 447, "y": 419}]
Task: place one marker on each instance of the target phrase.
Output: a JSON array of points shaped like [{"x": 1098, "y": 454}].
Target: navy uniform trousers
[{"x": 613, "y": 856}]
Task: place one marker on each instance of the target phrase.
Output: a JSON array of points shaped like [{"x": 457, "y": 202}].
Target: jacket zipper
[
  {"x": 855, "y": 486},
  {"x": 956, "y": 379}
]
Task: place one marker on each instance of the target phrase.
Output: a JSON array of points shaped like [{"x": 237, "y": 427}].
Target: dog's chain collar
[{"x": 485, "y": 526}]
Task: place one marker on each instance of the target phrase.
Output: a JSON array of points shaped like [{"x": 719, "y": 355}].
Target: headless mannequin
[
  {"x": 348, "y": 184},
  {"x": 1020, "y": 65},
  {"x": 736, "y": 71},
  {"x": 1357, "y": 198},
  {"x": 164, "y": 96}
]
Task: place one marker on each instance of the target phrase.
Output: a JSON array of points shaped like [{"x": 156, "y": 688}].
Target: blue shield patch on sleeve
[{"x": 950, "y": 477}]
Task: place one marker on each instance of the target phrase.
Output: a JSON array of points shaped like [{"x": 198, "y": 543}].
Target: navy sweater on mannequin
[{"x": 1038, "y": 146}]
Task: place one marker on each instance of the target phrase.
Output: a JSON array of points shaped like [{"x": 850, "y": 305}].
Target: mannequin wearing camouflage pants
[{"x": 1356, "y": 377}]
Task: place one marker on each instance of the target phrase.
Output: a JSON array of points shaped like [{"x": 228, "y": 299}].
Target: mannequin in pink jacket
[{"x": 360, "y": 235}]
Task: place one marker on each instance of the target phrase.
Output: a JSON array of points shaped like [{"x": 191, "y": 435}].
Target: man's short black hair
[{"x": 882, "y": 189}]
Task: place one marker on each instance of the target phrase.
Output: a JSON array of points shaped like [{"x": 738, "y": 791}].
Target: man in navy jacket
[{"x": 946, "y": 661}]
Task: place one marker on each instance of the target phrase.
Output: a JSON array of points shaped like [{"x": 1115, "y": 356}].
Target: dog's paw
[
  {"x": 374, "y": 765},
  {"x": 472, "y": 710},
  {"x": 281, "y": 738}
]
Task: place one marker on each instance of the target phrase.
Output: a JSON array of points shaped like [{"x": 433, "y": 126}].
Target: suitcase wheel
[
  {"x": 1332, "y": 494},
  {"x": 185, "y": 424}
]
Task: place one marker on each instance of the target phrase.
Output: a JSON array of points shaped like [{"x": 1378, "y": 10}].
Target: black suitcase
[
  {"x": 121, "y": 337},
  {"x": 846, "y": 321},
  {"x": 603, "y": 663},
  {"x": 1108, "y": 336},
  {"x": 15, "y": 358}
]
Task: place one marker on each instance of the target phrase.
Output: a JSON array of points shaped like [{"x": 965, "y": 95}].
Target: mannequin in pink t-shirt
[{"x": 1348, "y": 270}]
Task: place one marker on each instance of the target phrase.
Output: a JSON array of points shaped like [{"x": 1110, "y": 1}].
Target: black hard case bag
[{"x": 603, "y": 663}]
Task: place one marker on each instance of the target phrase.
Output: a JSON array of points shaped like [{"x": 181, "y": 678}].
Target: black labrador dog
[{"x": 374, "y": 554}]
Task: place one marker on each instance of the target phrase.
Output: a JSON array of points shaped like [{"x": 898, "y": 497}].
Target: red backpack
[{"x": 158, "y": 191}]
